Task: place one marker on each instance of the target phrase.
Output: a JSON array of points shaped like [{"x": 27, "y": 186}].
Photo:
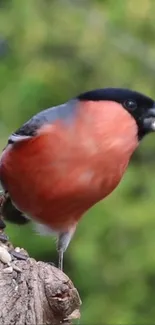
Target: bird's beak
[{"x": 149, "y": 119}]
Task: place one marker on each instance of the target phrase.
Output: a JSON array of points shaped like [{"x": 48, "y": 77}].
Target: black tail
[{"x": 11, "y": 214}]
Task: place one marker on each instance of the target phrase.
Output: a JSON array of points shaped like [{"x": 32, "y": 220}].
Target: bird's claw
[{"x": 51, "y": 263}]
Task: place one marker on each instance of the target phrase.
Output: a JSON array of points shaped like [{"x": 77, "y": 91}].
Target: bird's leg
[
  {"x": 63, "y": 242},
  {"x": 2, "y": 225},
  {"x": 3, "y": 237},
  {"x": 60, "y": 259}
]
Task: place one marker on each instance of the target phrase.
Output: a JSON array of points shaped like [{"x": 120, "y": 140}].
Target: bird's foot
[{"x": 51, "y": 263}]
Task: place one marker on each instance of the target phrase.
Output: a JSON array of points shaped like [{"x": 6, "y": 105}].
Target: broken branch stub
[{"x": 35, "y": 293}]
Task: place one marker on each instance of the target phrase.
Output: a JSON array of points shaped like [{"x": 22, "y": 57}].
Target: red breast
[{"x": 60, "y": 173}]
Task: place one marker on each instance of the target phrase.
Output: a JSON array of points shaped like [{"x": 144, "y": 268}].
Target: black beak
[
  {"x": 149, "y": 119},
  {"x": 151, "y": 111}
]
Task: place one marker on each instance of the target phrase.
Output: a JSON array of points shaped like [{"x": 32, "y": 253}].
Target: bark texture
[{"x": 35, "y": 293}]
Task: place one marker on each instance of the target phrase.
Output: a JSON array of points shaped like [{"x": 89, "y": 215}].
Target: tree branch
[{"x": 35, "y": 293}]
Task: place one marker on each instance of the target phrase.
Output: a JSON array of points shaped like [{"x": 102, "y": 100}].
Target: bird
[{"x": 67, "y": 158}]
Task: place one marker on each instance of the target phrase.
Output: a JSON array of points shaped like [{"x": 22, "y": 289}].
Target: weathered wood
[
  {"x": 31, "y": 292},
  {"x": 36, "y": 293}
]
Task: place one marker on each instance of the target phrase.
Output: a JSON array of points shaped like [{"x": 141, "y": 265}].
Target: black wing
[{"x": 12, "y": 214}]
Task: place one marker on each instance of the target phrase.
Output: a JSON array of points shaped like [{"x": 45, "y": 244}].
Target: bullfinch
[{"x": 67, "y": 158}]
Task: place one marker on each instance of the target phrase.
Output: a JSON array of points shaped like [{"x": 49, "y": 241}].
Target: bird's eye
[{"x": 130, "y": 104}]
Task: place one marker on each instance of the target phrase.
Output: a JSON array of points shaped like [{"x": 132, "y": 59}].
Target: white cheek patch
[{"x": 14, "y": 138}]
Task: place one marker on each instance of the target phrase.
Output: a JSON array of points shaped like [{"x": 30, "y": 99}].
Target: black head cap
[{"x": 141, "y": 107}]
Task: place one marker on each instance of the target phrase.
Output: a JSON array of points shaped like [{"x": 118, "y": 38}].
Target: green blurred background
[{"x": 49, "y": 52}]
